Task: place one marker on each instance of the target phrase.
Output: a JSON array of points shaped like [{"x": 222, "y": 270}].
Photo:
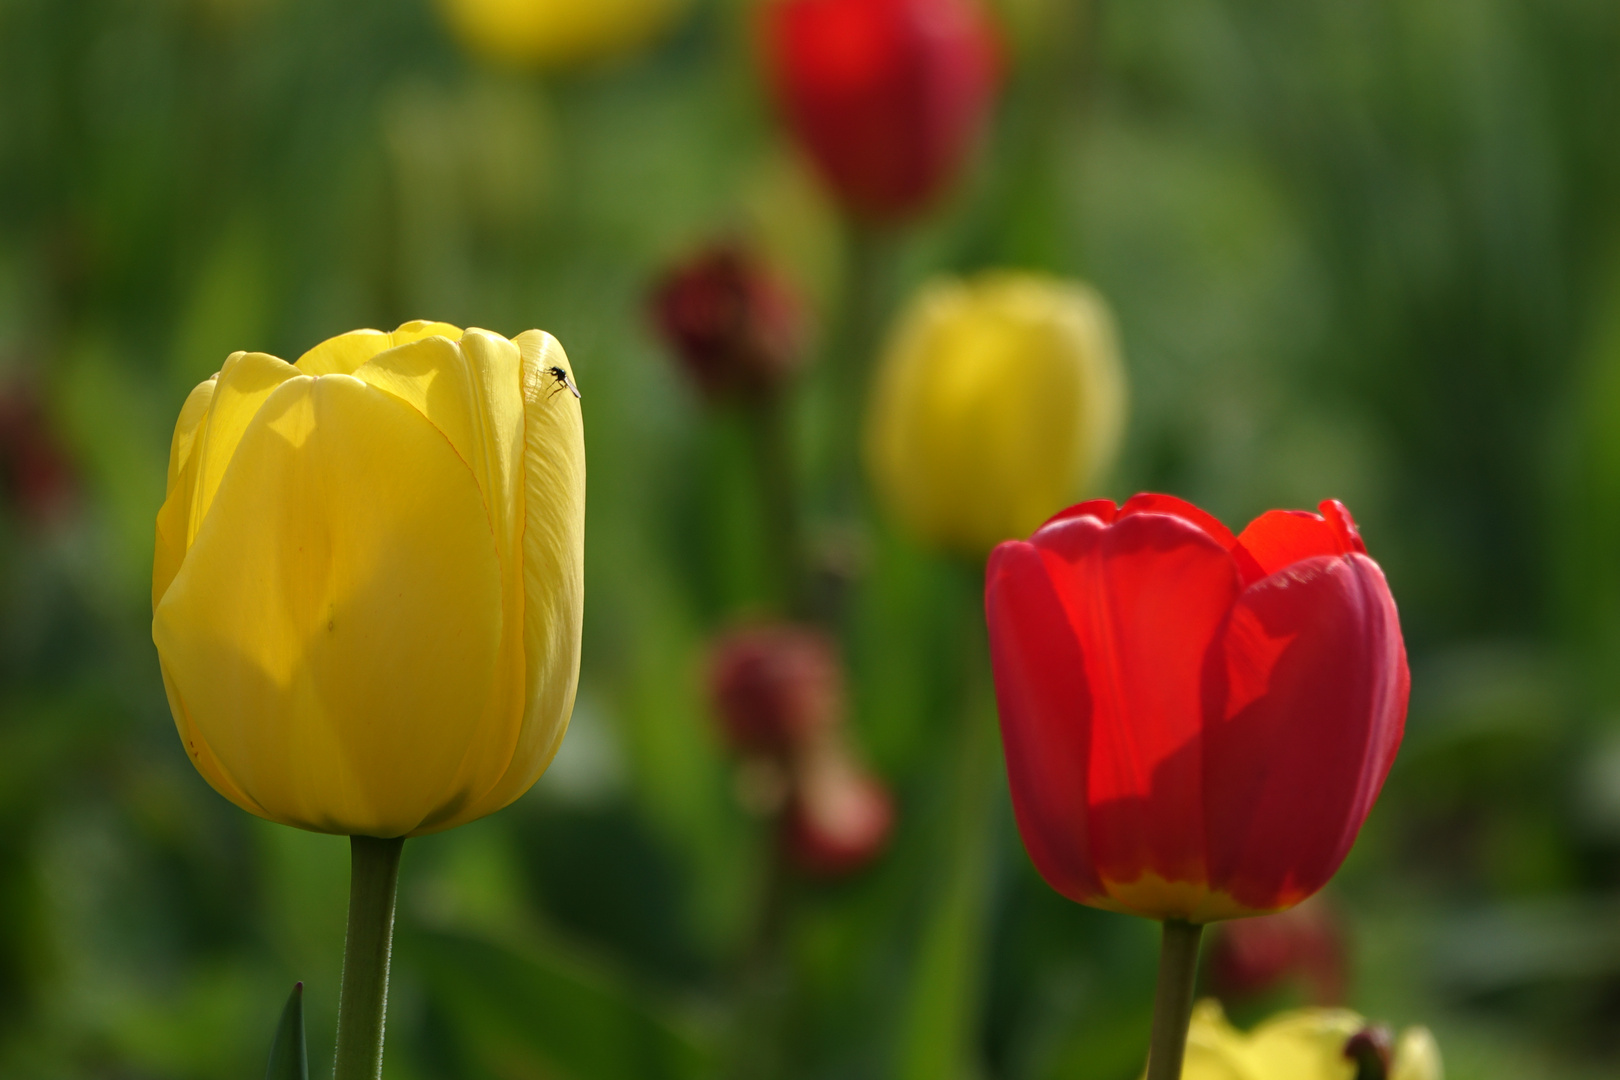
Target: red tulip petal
[
  {"x": 1045, "y": 708},
  {"x": 1280, "y": 538},
  {"x": 1103, "y": 510},
  {"x": 1338, "y": 516},
  {"x": 1144, "y": 601},
  {"x": 1306, "y": 694},
  {"x": 1148, "y": 502}
]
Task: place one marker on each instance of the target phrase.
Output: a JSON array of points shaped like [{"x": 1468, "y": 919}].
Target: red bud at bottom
[{"x": 840, "y": 817}]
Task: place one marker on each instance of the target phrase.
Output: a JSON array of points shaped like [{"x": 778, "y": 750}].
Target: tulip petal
[
  {"x": 1306, "y": 696},
  {"x": 553, "y": 566},
  {"x": 1046, "y": 717},
  {"x": 1143, "y": 600},
  {"x": 244, "y": 383},
  {"x": 174, "y": 517},
  {"x": 1280, "y": 538},
  {"x": 343, "y": 354},
  {"x": 334, "y": 630},
  {"x": 472, "y": 392}
]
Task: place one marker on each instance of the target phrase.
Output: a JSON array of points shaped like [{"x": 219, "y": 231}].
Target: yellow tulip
[
  {"x": 1305, "y": 1044},
  {"x": 559, "y": 33},
  {"x": 367, "y": 587},
  {"x": 996, "y": 401}
]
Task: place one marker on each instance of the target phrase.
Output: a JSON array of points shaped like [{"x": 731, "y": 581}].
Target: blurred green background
[{"x": 1365, "y": 249}]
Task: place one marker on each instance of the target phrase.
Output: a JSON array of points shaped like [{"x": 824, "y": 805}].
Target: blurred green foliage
[{"x": 1367, "y": 249}]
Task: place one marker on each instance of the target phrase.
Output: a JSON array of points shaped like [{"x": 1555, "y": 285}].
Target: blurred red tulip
[
  {"x": 34, "y": 467},
  {"x": 887, "y": 96},
  {"x": 1195, "y": 724},
  {"x": 840, "y": 816},
  {"x": 735, "y": 326},
  {"x": 775, "y": 688},
  {"x": 1302, "y": 946}
]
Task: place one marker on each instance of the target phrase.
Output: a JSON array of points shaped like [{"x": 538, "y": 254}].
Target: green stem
[
  {"x": 373, "y": 882},
  {"x": 772, "y": 444},
  {"x": 854, "y": 348},
  {"x": 1172, "y": 1002}
]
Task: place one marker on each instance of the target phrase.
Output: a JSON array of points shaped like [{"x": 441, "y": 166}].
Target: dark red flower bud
[
  {"x": 34, "y": 467},
  {"x": 775, "y": 688},
  {"x": 736, "y": 327},
  {"x": 1372, "y": 1049},
  {"x": 1302, "y": 946},
  {"x": 887, "y": 96},
  {"x": 840, "y": 816}
]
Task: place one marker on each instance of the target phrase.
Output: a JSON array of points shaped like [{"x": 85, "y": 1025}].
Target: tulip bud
[
  {"x": 775, "y": 688},
  {"x": 839, "y": 818},
  {"x": 886, "y": 96},
  {"x": 1250, "y": 957},
  {"x": 368, "y": 580},
  {"x": 1306, "y": 1044},
  {"x": 735, "y": 327},
  {"x": 1372, "y": 1049},
  {"x": 997, "y": 399},
  {"x": 34, "y": 467},
  {"x": 559, "y": 33},
  {"x": 1196, "y": 724}
]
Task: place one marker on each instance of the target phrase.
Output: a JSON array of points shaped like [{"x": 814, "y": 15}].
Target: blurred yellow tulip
[
  {"x": 997, "y": 400},
  {"x": 559, "y": 33},
  {"x": 368, "y": 584},
  {"x": 1305, "y": 1044}
]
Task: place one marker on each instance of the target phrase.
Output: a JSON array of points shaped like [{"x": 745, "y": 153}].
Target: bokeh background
[{"x": 1365, "y": 249}]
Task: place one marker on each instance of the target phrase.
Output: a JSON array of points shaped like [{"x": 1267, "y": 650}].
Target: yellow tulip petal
[
  {"x": 553, "y": 565},
  {"x": 1305, "y": 1044},
  {"x": 174, "y": 517},
  {"x": 472, "y": 392},
  {"x": 341, "y": 355},
  {"x": 559, "y": 32},
  {"x": 334, "y": 630},
  {"x": 1417, "y": 1057},
  {"x": 243, "y": 384},
  {"x": 192, "y": 414},
  {"x": 997, "y": 399}
]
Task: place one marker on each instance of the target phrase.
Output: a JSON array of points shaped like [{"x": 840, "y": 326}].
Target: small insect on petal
[{"x": 562, "y": 379}]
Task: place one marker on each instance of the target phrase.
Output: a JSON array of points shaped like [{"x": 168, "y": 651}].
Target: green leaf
[
  {"x": 531, "y": 1013},
  {"x": 289, "y": 1054}
]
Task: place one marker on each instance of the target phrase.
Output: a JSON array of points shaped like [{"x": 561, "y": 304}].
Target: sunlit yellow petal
[
  {"x": 559, "y": 32},
  {"x": 341, "y": 355},
  {"x": 472, "y": 392},
  {"x": 334, "y": 629},
  {"x": 1417, "y": 1057},
  {"x": 174, "y": 517},
  {"x": 1307, "y": 1044},
  {"x": 998, "y": 399},
  {"x": 553, "y": 564},
  {"x": 243, "y": 384},
  {"x": 192, "y": 414}
]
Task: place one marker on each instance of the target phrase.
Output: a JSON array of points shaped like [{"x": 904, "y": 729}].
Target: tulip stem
[
  {"x": 373, "y": 882},
  {"x": 1172, "y": 1002}
]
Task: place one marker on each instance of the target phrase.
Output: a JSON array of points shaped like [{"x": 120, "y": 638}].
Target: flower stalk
[
  {"x": 1173, "y": 999},
  {"x": 363, "y": 1005}
]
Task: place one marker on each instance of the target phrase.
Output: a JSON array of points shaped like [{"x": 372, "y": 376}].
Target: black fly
[{"x": 562, "y": 379}]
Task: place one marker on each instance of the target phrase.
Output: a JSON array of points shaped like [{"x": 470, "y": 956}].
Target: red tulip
[
  {"x": 887, "y": 96},
  {"x": 775, "y": 688},
  {"x": 1195, "y": 724},
  {"x": 735, "y": 326},
  {"x": 840, "y": 816},
  {"x": 35, "y": 472}
]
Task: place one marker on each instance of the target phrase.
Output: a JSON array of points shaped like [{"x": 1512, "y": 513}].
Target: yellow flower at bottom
[
  {"x": 559, "y": 33},
  {"x": 1304, "y": 1044},
  {"x": 997, "y": 400},
  {"x": 367, "y": 587}
]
